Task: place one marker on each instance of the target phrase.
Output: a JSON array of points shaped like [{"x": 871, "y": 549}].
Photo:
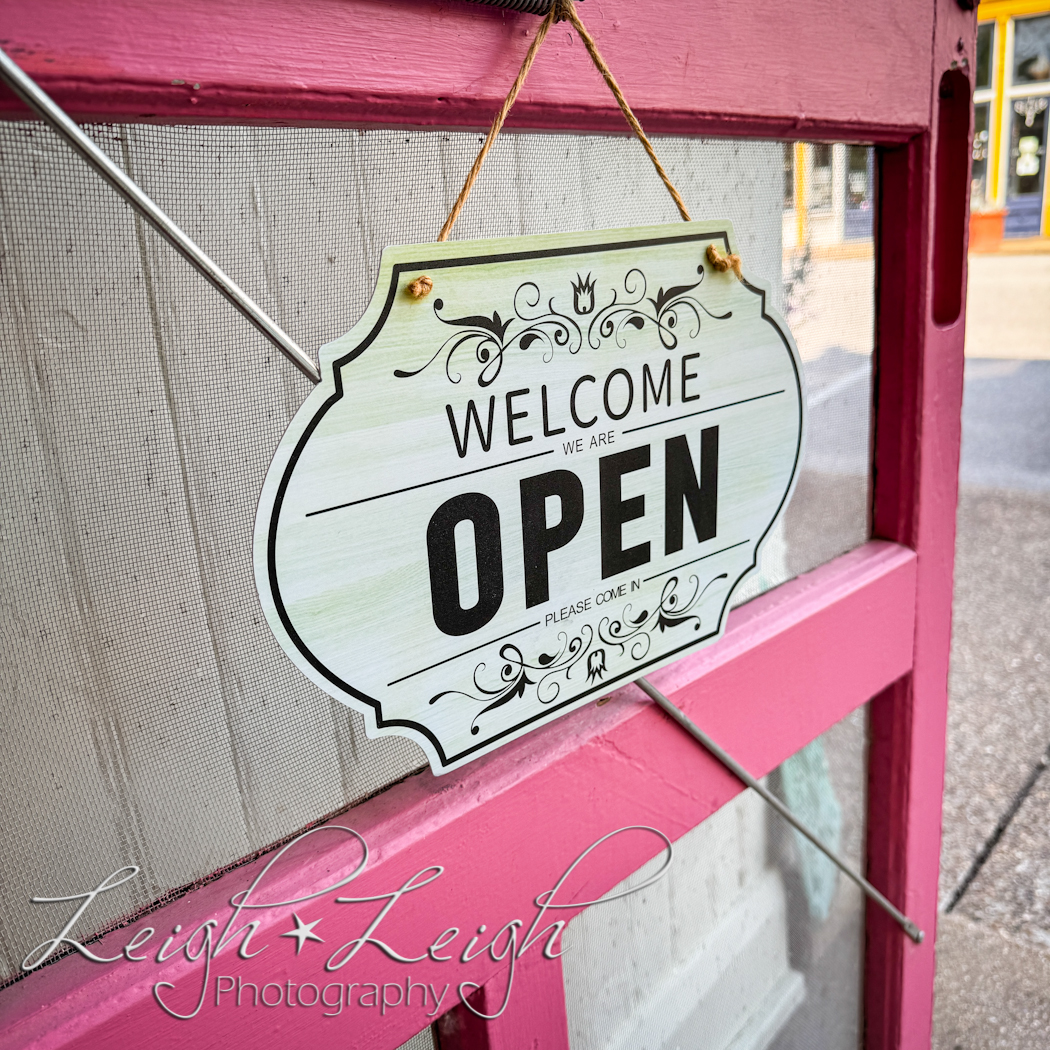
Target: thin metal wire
[
  {"x": 743, "y": 775},
  {"x": 59, "y": 121}
]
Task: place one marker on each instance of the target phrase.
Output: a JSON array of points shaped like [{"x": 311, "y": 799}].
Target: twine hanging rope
[{"x": 561, "y": 10}]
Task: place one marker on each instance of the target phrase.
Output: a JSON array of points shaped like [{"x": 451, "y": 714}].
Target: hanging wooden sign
[{"x": 538, "y": 482}]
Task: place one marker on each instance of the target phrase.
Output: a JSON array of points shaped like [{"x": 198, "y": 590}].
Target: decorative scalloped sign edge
[{"x": 537, "y": 483}]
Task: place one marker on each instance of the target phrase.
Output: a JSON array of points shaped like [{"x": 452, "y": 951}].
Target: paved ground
[
  {"x": 993, "y": 982},
  {"x": 1008, "y": 306},
  {"x": 1006, "y": 423},
  {"x": 1000, "y": 990},
  {"x": 999, "y": 716}
]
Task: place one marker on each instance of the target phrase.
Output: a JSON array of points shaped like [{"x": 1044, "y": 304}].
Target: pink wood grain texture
[
  {"x": 918, "y": 429},
  {"x": 849, "y": 70},
  {"x": 793, "y": 662}
]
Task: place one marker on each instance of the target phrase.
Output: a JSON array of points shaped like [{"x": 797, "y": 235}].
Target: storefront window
[
  {"x": 985, "y": 40},
  {"x": 1027, "y": 163},
  {"x": 1031, "y": 50},
  {"x": 979, "y": 176},
  {"x": 857, "y": 220}
]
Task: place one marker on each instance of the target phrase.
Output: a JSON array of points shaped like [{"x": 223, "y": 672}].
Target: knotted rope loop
[
  {"x": 561, "y": 11},
  {"x": 420, "y": 288},
  {"x": 724, "y": 263},
  {"x": 566, "y": 11},
  {"x": 497, "y": 121}
]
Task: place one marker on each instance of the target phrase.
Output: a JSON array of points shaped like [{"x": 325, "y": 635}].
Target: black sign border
[{"x": 470, "y": 260}]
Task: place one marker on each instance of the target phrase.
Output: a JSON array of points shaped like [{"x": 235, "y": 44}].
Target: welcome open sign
[{"x": 541, "y": 481}]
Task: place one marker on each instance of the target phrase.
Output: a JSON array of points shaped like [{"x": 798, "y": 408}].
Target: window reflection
[
  {"x": 985, "y": 39},
  {"x": 979, "y": 176},
  {"x": 857, "y": 177},
  {"x": 821, "y": 195},
  {"x": 1024, "y": 190},
  {"x": 1032, "y": 50},
  {"x": 859, "y": 172}
]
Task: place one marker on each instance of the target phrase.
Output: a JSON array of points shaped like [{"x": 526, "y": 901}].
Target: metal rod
[
  {"x": 59, "y": 121},
  {"x": 745, "y": 777}
]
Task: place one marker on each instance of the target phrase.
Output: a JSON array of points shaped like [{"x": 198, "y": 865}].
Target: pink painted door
[{"x": 294, "y": 141}]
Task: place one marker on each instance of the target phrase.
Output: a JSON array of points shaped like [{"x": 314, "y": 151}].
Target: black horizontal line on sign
[
  {"x": 702, "y": 411},
  {"x": 466, "y": 652},
  {"x": 702, "y": 557},
  {"x": 436, "y": 481}
]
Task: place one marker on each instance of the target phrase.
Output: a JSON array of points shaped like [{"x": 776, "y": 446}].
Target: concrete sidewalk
[
  {"x": 1008, "y": 307},
  {"x": 993, "y": 950},
  {"x": 999, "y": 994}
]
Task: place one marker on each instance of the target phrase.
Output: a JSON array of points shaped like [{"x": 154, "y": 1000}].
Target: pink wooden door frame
[{"x": 874, "y": 623}]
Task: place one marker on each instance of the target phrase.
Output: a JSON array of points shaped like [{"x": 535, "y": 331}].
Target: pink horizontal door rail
[
  {"x": 792, "y": 663},
  {"x": 686, "y": 66}
]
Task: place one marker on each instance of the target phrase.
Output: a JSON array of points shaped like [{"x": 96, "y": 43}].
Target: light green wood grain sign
[{"x": 537, "y": 483}]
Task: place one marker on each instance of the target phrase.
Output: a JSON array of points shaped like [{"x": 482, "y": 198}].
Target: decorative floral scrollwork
[
  {"x": 671, "y": 308},
  {"x": 583, "y": 295},
  {"x": 672, "y": 312},
  {"x": 491, "y": 337},
  {"x": 514, "y": 675},
  {"x": 549, "y": 328},
  {"x": 596, "y": 665},
  {"x": 636, "y": 630},
  {"x": 548, "y": 672}
]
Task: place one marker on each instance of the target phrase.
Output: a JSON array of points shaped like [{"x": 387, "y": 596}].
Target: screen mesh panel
[
  {"x": 148, "y": 715},
  {"x": 425, "y": 1040},
  {"x": 752, "y": 940}
]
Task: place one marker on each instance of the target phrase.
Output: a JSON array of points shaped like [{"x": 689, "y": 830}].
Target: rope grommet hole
[{"x": 724, "y": 263}]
